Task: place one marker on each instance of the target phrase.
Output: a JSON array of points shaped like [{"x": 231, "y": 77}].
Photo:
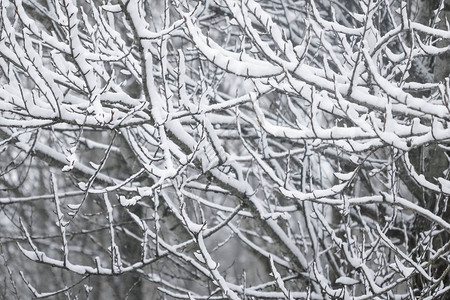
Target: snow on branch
[{"x": 225, "y": 149}]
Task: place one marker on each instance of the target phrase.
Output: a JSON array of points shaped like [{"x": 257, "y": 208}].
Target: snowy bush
[{"x": 273, "y": 149}]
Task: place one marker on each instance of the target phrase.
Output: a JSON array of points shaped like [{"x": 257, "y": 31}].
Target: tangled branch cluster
[{"x": 226, "y": 149}]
